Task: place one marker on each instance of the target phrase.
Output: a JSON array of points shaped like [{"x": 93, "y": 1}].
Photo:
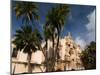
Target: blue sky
[{"x": 81, "y": 22}]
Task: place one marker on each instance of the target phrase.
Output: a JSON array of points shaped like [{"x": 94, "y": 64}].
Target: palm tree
[
  {"x": 27, "y": 11},
  {"x": 28, "y": 41},
  {"x": 56, "y": 19},
  {"x": 48, "y": 33}
]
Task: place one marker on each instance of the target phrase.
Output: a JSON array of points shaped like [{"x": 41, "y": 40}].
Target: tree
[
  {"x": 89, "y": 56},
  {"x": 48, "y": 33},
  {"x": 27, "y": 11},
  {"x": 27, "y": 40},
  {"x": 55, "y": 20}
]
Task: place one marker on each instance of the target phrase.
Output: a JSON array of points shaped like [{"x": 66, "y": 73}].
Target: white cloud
[
  {"x": 80, "y": 42},
  {"x": 91, "y": 27},
  {"x": 90, "y": 31}
]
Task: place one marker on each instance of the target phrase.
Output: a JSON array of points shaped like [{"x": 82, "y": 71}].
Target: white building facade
[{"x": 69, "y": 53}]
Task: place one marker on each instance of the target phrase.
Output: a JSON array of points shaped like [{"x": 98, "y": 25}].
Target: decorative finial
[{"x": 69, "y": 34}]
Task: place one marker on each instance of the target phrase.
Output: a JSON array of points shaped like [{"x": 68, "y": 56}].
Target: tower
[{"x": 70, "y": 54}]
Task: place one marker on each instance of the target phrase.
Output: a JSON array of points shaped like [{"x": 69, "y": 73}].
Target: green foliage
[
  {"x": 89, "y": 56},
  {"x": 27, "y": 39},
  {"x": 55, "y": 20},
  {"x": 57, "y": 15},
  {"x": 26, "y": 10}
]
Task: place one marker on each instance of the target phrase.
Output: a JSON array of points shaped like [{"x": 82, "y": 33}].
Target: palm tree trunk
[
  {"x": 57, "y": 45},
  {"x": 46, "y": 44},
  {"x": 29, "y": 64},
  {"x": 56, "y": 50},
  {"x": 46, "y": 57},
  {"x": 40, "y": 68},
  {"x": 14, "y": 69},
  {"x": 53, "y": 55}
]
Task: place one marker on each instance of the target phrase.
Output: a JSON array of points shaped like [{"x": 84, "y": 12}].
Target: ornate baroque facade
[{"x": 69, "y": 53}]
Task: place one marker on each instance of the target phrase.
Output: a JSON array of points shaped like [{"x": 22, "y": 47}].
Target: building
[
  {"x": 70, "y": 54},
  {"x": 69, "y": 57}
]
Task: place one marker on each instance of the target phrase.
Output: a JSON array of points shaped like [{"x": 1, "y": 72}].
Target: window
[{"x": 14, "y": 53}]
